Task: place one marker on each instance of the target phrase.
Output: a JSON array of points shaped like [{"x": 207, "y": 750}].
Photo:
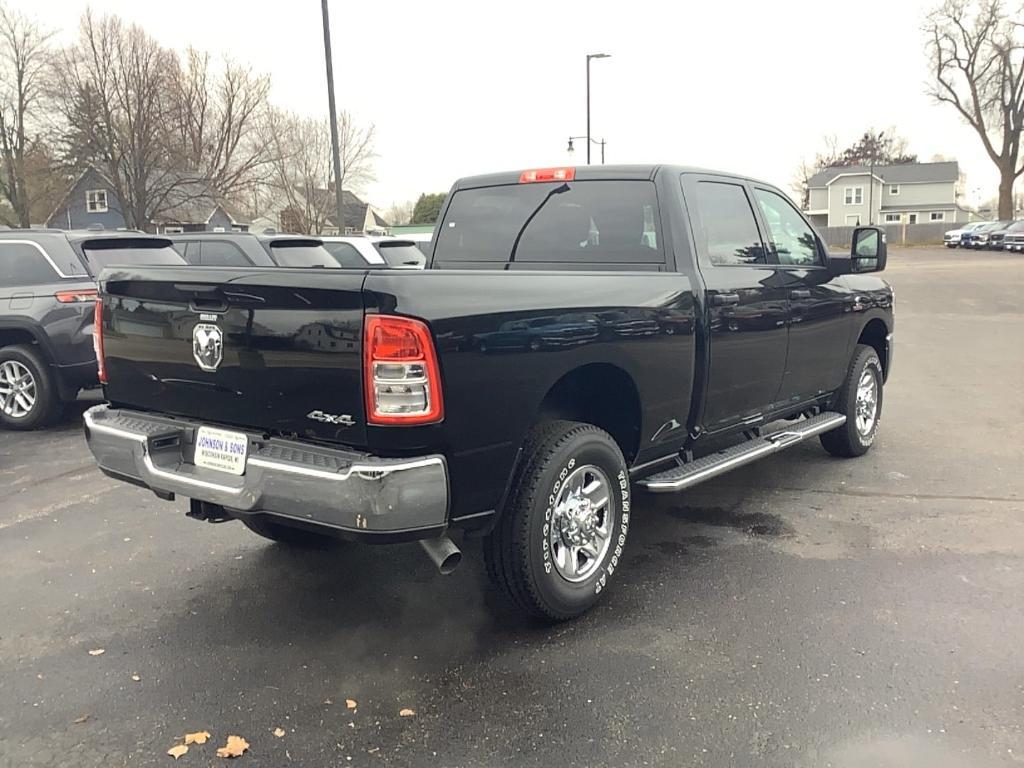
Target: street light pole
[
  {"x": 335, "y": 153},
  {"x": 871, "y": 180},
  {"x": 589, "y": 141},
  {"x": 589, "y": 57}
]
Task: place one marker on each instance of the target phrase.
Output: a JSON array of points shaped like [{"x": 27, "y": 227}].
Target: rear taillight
[
  {"x": 403, "y": 381},
  {"x": 76, "y": 297},
  {"x": 97, "y": 341}
]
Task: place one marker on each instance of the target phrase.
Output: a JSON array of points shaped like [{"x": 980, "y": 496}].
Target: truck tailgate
[{"x": 290, "y": 347}]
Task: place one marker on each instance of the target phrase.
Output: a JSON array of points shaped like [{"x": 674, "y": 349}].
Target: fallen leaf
[
  {"x": 351, "y": 703},
  {"x": 199, "y": 737},
  {"x": 235, "y": 746},
  {"x": 177, "y": 751},
  {"x": 328, "y": 701},
  {"x": 80, "y": 720},
  {"x": 97, "y": 651},
  {"x": 279, "y": 732},
  {"x": 374, "y": 751},
  {"x": 136, "y": 678},
  {"x": 406, "y": 712}
]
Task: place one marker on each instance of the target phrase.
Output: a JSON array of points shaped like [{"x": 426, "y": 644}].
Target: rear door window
[
  {"x": 221, "y": 253},
  {"x": 573, "y": 222},
  {"x": 726, "y": 228},
  {"x": 23, "y": 264}
]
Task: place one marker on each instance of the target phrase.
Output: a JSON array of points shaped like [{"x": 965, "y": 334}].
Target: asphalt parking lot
[{"x": 804, "y": 611}]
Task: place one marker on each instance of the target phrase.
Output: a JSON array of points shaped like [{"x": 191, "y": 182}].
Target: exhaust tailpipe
[{"x": 443, "y": 552}]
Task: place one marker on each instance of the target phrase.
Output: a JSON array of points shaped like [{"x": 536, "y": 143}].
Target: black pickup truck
[{"x": 579, "y": 332}]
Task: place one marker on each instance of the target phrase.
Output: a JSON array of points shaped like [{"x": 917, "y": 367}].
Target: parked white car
[
  {"x": 954, "y": 236},
  {"x": 379, "y": 251}
]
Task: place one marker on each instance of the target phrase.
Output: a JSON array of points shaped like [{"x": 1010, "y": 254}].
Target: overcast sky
[{"x": 457, "y": 88}]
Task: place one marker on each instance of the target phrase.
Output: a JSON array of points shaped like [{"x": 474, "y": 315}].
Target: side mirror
[{"x": 869, "y": 251}]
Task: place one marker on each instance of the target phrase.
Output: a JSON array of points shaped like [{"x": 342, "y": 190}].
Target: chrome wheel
[
  {"x": 581, "y": 523},
  {"x": 17, "y": 389},
  {"x": 867, "y": 401}
]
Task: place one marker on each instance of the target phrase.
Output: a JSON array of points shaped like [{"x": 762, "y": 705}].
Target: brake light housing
[
  {"x": 547, "y": 174},
  {"x": 402, "y": 376},
  {"x": 97, "y": 341}
]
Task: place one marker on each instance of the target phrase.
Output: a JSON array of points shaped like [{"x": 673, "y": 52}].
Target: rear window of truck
[{"x": 572, "y": 222}]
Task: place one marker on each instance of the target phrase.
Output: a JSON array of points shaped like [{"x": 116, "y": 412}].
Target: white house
[{"x": 912, "y": 193}]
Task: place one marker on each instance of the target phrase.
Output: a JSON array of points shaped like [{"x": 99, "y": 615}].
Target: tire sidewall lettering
[{"x": 599, "y": 580}]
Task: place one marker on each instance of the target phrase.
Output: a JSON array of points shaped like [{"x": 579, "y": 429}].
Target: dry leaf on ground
[
  {"x": 81, "y": 719},
  {"x": 97, "y": 651},
  {"x": 199, "y": 737},
  {"x": 351, "y": 703},
  {"x": 235, "y": 746},
  {"x": 279, "y": 732},
  {"x": 136, "y": 678},
  {"x": 406, "y": 712},
  {"x": 177, "y": 751}
]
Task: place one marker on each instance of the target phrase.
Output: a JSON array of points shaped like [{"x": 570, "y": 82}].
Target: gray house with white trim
[
  {"x": 913, "y": 193},
  {"x": 91, "y": 201}
]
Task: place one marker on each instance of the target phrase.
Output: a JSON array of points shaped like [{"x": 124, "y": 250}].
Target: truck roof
[{"x": 596, "y": 173}]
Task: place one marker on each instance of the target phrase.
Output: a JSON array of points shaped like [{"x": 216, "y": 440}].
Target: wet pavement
[{"x": 803, "y": 611}]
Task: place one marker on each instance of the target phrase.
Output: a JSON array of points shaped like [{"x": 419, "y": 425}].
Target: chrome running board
[{"x": 697, "y": 471}]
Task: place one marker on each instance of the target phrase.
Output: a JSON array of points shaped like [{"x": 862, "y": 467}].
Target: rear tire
[
  {"x": 288, "y": 535},
  {"x": 28, "y": 390},
  {"x": 860, "y": 400},
  {"x": 561, "y": 535}
]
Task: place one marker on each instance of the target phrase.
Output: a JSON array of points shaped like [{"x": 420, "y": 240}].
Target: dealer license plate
[{"x": 221, "y": 450}]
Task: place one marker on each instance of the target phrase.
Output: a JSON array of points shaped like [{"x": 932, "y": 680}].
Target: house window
[
  {"x": 853, "y": 195},
  {"x": 96, "y": 200},
  {"x": 173, "y": 229},
  {"x": 894, "y": 189},
  {"x": 893, "y": 218},
  {"x": 937, "y": 216}
]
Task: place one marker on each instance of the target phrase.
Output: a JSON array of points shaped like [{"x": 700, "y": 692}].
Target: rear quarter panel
[{"x": 505, "y": 338}]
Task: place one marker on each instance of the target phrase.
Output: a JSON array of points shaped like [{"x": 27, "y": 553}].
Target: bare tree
[
  {"x": 400, "y": 212},
  {"x": 977, "y": 52},
  {"x": 355, "y": 145},
  {"x": 299, "y": 149},
  {"x": 24, "y": 167},
  {"x": 164, "y": 132},
  {"x": 109, "y": 89},
  {"x": 212, "y": 121}
]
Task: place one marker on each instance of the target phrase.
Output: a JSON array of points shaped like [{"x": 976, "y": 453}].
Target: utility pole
[{"x": 335, "y": 153}]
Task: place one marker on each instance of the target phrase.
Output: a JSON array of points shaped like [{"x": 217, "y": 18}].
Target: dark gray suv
[{"x": 47, "y": 299}]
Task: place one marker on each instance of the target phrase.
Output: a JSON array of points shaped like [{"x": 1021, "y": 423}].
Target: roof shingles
[{"x": 908, "y": 173}]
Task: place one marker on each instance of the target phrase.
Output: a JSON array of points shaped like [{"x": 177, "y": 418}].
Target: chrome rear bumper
[{"x": 338, "y": 488}]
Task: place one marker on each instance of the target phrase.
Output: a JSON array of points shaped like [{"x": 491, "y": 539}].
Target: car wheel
[
  {"x": 287, "y": 534},
  {"x": 28, "y": 392},
  {"x": 860, "y": 400},
  {"x": 561, "y": 535}
]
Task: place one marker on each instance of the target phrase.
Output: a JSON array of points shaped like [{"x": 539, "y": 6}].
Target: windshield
[
  {"x": 401, "y": 254},
  {"x": 102, "y": 254},
  {"x": 303, "y": 255}
]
